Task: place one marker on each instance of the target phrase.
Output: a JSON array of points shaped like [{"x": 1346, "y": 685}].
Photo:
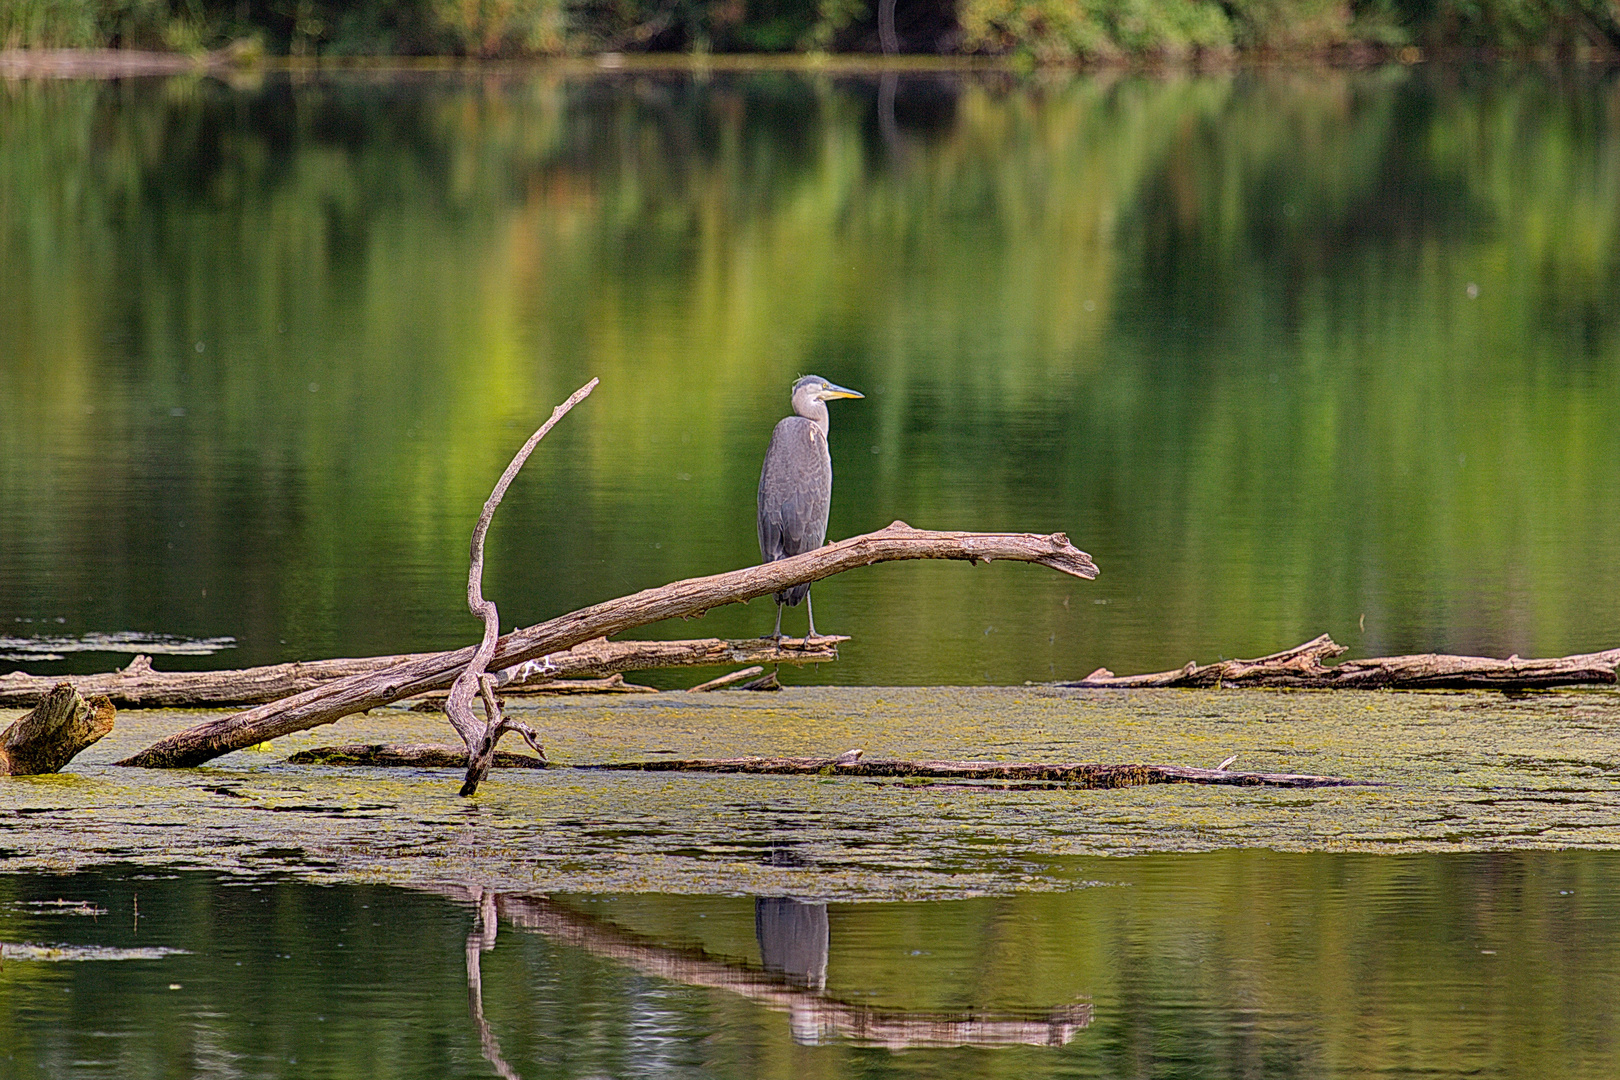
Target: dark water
[
  {"x": 1233, "y": 964},
  {"x": 1288, "y": 353}
]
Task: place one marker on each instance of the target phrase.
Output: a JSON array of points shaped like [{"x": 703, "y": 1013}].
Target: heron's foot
[{"x": 812, "y": 639}]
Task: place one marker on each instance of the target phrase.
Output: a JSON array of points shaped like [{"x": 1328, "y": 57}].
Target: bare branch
[
  {"x": 693, "y": 596},
  {"x": 481, "y": 741},
  {"x": 139, "y": 686}
]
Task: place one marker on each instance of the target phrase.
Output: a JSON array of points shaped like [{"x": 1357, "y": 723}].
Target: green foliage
[
  {"x": 1045, "y": 31},
  {"x": 1049, "y": 30}
]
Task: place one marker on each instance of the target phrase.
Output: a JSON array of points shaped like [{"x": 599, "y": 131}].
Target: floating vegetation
[
  {"x": 58, "y": 953},
  {"x": 56, "y": 646},
  {"x": 61, "y": 907}
]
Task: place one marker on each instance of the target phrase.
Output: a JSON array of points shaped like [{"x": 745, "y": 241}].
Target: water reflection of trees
[{"x": 1100, "y": 275}]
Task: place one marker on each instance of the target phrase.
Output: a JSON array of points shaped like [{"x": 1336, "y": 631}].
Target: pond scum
[{"x": 1457, "y": 772}]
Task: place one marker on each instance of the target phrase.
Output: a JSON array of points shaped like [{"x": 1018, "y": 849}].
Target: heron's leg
[
  {"x": 776, "y": 635},
  {"x": 810, "y": 612}
]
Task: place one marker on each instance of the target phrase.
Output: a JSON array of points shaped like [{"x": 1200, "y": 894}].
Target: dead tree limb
[
  {"x": 59, "y": 727},
  {"x": 474, "y": 678},
  {"x": 1301, "y": 668},
  {"x": 140, "y": 686},
  {"x": 1077, "y": 774},
  {"x": 1073, "y": 774},
  {"x": 688, "y": 598}
]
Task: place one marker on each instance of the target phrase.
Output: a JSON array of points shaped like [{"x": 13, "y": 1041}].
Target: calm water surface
[
  {"x": 1293, "y": 353},
  {"x": 1234, "y": 964}
]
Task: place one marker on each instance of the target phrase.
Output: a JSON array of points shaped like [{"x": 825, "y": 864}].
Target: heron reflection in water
[{"x": 795, "y": 487}]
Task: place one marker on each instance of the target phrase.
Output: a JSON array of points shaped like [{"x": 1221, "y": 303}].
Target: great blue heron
[{"x": 795, "y": 486}]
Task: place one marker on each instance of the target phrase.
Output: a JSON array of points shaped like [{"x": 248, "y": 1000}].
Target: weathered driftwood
[
  {"x": 140, "y": 686},
  {"x": 725, "y": 680},
  {"x": 1077, "y": 774},
  {"x": 58, "y": 728},
  {"x": 817, "y": 1016},
  {"x": 475, "y": 677},
  {"x": 694, "y": 596},
  {"x": 1301, "y": 668}
]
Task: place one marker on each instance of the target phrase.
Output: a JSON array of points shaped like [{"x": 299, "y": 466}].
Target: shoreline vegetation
[{"x": 86, "y": 37}]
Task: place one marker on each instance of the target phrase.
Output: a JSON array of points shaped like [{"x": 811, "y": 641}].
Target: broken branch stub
[
  {"x": 436, "y": 671},
  {"x": 58, "y": 728}
]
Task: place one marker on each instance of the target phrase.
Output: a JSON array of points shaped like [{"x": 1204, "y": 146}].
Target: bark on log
[
  {"x": 688, "y": 598},
  {"x": 1078, "y": 774},
  {"x": 407, "y": 756},
  {"x": 1074, "y": 774},
  {"x": 58, "y": 728},
  {"x": 140, "y": 686},
  {"x": 1301, "y": 668}
]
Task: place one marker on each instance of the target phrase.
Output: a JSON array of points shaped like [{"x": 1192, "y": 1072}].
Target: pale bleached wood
[
  {"x": 140, "y": 686},
  {"x": 688, "y": 598},
  {"x": 474, "y": 678},
  {"x": 1301, "y": 668},
  {"x": 54, "y": 732}
]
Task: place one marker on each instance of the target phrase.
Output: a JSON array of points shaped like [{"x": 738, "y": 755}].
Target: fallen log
[
  {"x": 140, "y": 686},
  {"x": 689, "y": 598},
  {"x": 1073, "y": 774},
  {"x": 58, "y": 728},
  {"x": 1301, "y": 668},
  {"x": 1076, "y": 774}
]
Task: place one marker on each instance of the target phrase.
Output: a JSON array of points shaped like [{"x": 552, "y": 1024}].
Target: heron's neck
[{"x": 814, "y": 411}]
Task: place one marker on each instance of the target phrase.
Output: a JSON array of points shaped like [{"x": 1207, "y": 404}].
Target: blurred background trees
[{"x": 1036, "y": 30}]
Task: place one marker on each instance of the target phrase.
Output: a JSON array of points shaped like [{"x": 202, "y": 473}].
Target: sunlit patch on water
[
  {"x": 57, "y": 646},
  {"x": 58, "y": 953}
]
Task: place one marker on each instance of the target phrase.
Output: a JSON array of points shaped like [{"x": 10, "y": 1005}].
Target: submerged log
[
  {"x": 59, "y": 727},
  {"x": 1074, "y": 774},
  {"x": 407, "y": 756},
  {"x": 688, "y": 598},
  {"x": 1087, "y": 774},
  {"x": 1301, "y": 668},
  {"x": 140, "y": 686}
]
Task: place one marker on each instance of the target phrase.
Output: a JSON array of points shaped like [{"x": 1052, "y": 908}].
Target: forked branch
[{"x": 474, "y": 678}]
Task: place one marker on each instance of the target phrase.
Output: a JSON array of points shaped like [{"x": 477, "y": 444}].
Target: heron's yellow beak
[{"x": 832, "y": 392}]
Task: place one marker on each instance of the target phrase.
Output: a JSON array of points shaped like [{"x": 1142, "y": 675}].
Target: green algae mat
[{"x": 1455, "y": 772}]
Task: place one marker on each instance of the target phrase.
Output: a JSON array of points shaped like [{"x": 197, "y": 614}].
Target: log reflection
[{"x": 793, "y": 939}]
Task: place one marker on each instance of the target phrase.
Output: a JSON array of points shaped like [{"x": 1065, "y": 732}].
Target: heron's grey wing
[{"x": 795, "y": 490}]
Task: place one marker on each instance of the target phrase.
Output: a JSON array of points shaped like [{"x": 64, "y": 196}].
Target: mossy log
[
  {"x": 1074, "y": 774},
  {"x": 1301, "y": 668},
  {"x": 140, "y": 686},
  {"x": 407, "y": 756},
  {"x": 682, "y": 599},
  {"x": 50, "y": 736}
]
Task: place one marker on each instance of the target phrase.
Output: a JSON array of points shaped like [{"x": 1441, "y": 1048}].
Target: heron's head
[{"x": 815, "y": 388}]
